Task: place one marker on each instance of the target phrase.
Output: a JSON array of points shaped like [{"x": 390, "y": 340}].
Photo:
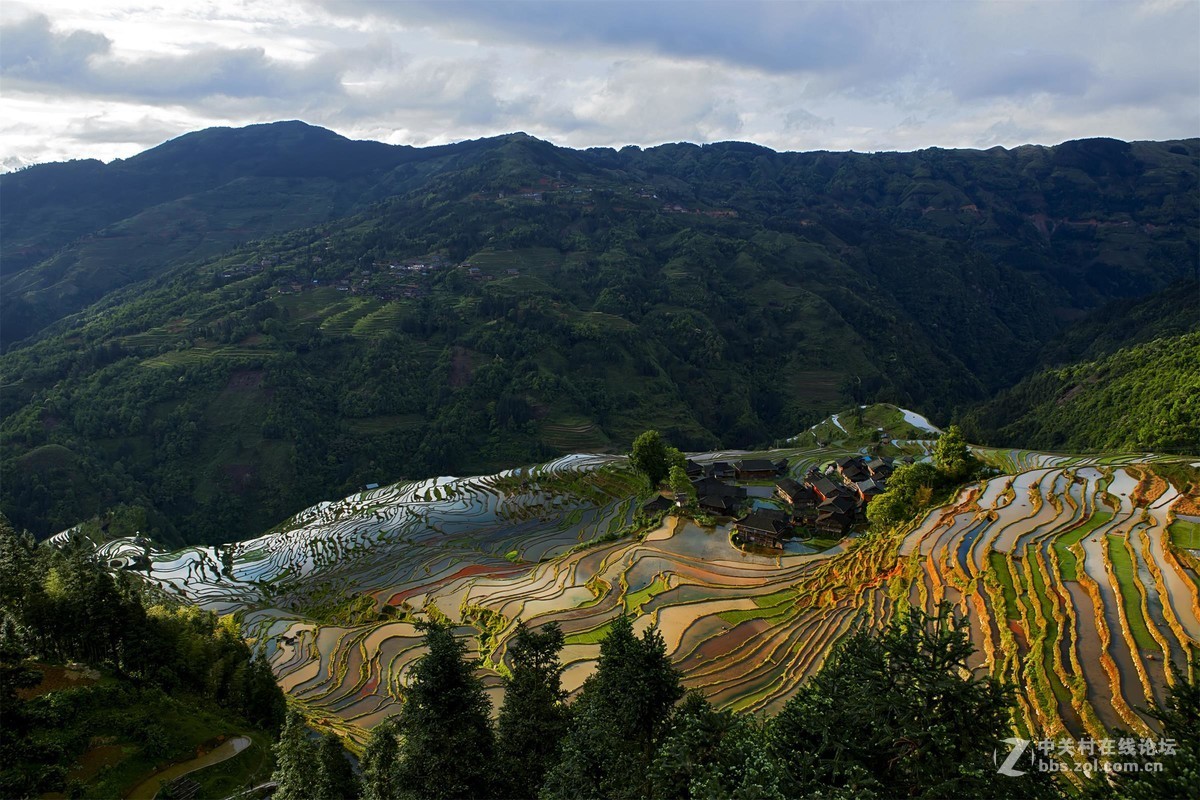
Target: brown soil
[
  {"x": 1150, "y": 487},
  {"x": 55, "y": 678}
]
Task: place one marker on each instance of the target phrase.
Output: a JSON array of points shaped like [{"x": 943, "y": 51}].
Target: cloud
[
  {"x": 789, "y": 75},
  {"x": 32, "y": 51},
  {"x": 773, "y": 36},
  {"x": 82, "y": 62}
]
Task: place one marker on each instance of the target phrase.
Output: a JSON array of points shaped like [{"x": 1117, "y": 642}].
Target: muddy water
[{"x": 147, "y": 789}]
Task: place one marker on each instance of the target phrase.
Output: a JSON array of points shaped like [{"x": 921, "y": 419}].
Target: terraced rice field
[{"x": 1062, "y": 566}]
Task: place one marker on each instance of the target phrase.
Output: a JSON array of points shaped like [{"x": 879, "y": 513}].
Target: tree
[
  {"x": 379, "y": 762},
  {"x": 650, "y": 458},
  {"x": 534, "y": 717},
  {"x": 1180, "y": 772},
  {"x": 682, "y": 484},
  {"x": 715, "y": 754},
  {"x": 952, "y": 456},
  {"x": 900, "y": 714},
  {"x": 909, "y": 489},
  {"x": 446, "y": 745},
  {"x": 335, "y": 776},
  {"x": 618, "y": 718},
  {"x": 296, "y": 769}
]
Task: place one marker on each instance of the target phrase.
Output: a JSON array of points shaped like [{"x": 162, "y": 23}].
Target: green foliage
[
  {"x": 650, "y": 457},
  {"x": 952, "y": 456},
  {"x": 534, "y": 717},
  {"x": 62, "y": 605},
  {"x": 681, "y": 484},
  {"x": 380, "y": 762},
  {"x": 447, "y": 745},
  {"x": 335, "y": 775},
  {"x": 296, "y": 766},
  {"x": 1139, "y": 397},
  {"x": 909, "y": 489},
  {"x": 617, "y": 718},
  {"x": 716, "y": 754},
  {"x": 900, "y": 715}
]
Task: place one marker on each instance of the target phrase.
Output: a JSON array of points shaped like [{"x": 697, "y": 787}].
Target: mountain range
[{"x": 207, "y": 337}]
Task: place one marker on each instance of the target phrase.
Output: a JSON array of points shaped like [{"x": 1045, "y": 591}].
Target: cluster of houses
[{"x": 826, "y": 502}]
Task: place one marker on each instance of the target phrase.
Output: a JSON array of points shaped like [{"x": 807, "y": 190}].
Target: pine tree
[
  {"x": 296, "y": 769},
  {"x": 380, "y": 780},
  {"x": 900, "y": 715},
  {"x": 618, "y": 717},
  {"x": 533, "y": 719},
  {"x": 335, "y": 776},
  {"x": 447, "y": 745}
]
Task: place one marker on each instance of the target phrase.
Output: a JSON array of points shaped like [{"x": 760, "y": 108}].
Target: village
[{"x": 823, "y": 503}]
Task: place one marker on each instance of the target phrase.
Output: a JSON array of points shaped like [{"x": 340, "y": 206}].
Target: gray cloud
[
  {"x": 36, "y": 55},
  {"x": 775, "y": 36},
  {"x": 1021, "y": 72},
  {"x": 33, "y": 51}
]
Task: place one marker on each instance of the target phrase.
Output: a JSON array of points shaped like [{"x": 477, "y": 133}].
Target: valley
[{"x": 1078, "y": 574}]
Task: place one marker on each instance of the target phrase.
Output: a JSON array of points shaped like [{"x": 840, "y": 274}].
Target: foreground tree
[
  {"x": 618, "y": 718},
  {"x": 716, "y": 754},
  {"x": 380, "y": 779},
  {"x": 1180, "y": 769},
  {"x": 534, "y": 717},
  {"x": 900, "y": 715},
  {"x": 296, "y": 768},
  {"x": 335, "y": 775},
  {"x": 446, "y": 741}
]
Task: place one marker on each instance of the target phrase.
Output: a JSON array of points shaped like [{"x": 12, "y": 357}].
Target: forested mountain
[
  {"x": 274, "y": 315},
  {"x": 1127, "y": 379}
]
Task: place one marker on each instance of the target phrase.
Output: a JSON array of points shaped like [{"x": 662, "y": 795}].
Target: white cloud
[{"x": 110, "y": 75}]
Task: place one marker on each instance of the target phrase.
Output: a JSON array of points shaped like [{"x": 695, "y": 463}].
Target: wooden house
[
  {"x": 763, "y": 528},
  {"x": 754, "y": 469},
  {"x": 853, "y": 469},
  {"x": 658, "y": 503},
  {"x": 721, "y": 504},
  {"x": 792, "y": 492},
  {"x": 720, "y": 469},
  {"x": 823, "y": 488}
]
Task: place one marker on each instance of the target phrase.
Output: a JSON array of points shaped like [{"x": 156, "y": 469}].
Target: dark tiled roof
[
  {"x": 755, "y": 465},
  {"x": 658, "y": 503},
  {"x": 760, "y": 521}
]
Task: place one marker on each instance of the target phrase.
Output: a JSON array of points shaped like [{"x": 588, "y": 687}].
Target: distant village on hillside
[{"x": 825, "y": 503}]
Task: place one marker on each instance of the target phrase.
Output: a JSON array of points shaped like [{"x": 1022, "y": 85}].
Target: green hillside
[
  {"x": 1144, "y": 398},
  {"x": 506, "y": 300}
]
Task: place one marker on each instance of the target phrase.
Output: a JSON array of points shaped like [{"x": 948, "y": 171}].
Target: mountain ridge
[{"x": 260, "y": 345}]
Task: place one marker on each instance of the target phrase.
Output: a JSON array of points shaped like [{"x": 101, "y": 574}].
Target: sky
[{"x": 109, "y": 78}]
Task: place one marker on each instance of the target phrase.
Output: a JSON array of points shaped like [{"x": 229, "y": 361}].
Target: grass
[
  {"x": 1125, "y": 571},
  {"x": 1066, "y": 559},
  {"x": 1185, "y": 534},
  {"x": 635, "y": 600},
  {"x": 773, "y": 607},
  {"x": 592, "y": 636},
  {"x": 1000, "y": 567}
]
